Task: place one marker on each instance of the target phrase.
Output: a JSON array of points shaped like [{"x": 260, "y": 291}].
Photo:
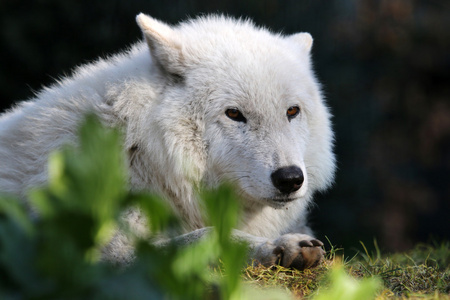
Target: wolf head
[{"x": 242, "y": 105}]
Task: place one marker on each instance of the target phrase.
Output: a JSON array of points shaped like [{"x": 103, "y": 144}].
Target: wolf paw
[{"x": 298, "y": 251}]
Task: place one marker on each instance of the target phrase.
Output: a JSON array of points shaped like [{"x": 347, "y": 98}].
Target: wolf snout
[{"x": 287, "y": 179}]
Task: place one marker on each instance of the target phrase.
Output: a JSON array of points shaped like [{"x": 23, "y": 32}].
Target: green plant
[
  {"x": 344, "y": 287},
  {"x": 58, "y": 255}
]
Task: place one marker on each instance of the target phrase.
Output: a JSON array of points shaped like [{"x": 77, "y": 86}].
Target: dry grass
[{"x": 422, "y": 273}]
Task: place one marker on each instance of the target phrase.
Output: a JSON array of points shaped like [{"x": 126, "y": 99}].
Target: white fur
[{"x": 170, "y": 102}]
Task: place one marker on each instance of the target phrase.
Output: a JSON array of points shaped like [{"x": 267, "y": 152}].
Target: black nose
[{"x": 287, "y": 179}]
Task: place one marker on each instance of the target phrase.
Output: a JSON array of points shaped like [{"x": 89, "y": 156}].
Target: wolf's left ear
[
  {"x": 164, "y": 44},
  {"x": 303, "y": 39}
]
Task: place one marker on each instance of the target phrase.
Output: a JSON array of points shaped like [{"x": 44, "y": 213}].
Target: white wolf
[{"x": 210, "y": 100}]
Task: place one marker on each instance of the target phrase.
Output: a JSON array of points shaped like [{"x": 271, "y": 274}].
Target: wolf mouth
[{"x": 283, "y": 200}]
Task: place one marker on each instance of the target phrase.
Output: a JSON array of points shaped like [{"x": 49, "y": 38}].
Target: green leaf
[
  {"x": 222, "y": 210},
  {"x": 160, "y": 216},
  {"x": 15, "y": 211},
  {"x": 344, "y": 287}
]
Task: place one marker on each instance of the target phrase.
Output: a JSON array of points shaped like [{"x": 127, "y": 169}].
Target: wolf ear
[
  {"x": 163, "y": 43},
  {"x": 303, "y": 39}
]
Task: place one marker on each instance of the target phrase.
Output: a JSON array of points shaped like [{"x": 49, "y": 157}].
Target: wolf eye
[
  {"x": 235, "y": 115},
  {"x": 292, "y": 112}
]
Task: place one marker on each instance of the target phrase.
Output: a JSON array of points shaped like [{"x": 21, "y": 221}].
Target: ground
[{"x": 422, "y": 273}]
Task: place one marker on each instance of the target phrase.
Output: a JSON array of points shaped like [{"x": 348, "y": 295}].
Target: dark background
[{"x": 385, "y": 70}]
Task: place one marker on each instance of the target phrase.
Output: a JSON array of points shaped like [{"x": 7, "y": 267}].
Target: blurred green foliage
[
  {"x": 344, "y": 287},
  {"x": 57, "y": 256}
]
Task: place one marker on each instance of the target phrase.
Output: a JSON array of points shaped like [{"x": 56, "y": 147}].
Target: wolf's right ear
[
  {"x": 302, "y": 39},
  {"x": 163, "y": 43}
]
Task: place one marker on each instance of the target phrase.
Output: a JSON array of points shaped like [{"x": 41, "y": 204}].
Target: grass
[{"x": 421, "y": 273}]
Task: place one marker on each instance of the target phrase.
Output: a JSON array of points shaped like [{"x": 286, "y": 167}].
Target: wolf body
[{"x": 210, "y": 100}]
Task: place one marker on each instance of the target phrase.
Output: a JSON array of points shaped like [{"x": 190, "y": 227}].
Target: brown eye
[
  {"x": 292, "y": 112},
  {"x": 235, "y": 115}
]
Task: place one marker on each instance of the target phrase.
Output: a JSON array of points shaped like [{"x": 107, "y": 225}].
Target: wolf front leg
[{"x": 293, "y": 250}]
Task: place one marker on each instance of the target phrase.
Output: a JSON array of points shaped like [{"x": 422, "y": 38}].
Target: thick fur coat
[{"x": 210, "y": 100}]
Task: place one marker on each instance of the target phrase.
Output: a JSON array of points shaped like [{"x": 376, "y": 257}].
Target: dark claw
[
  {"x": 278, "y": 251},
  {"x": 317, "y": 243},
  {"x": 306, "y": 243}
]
